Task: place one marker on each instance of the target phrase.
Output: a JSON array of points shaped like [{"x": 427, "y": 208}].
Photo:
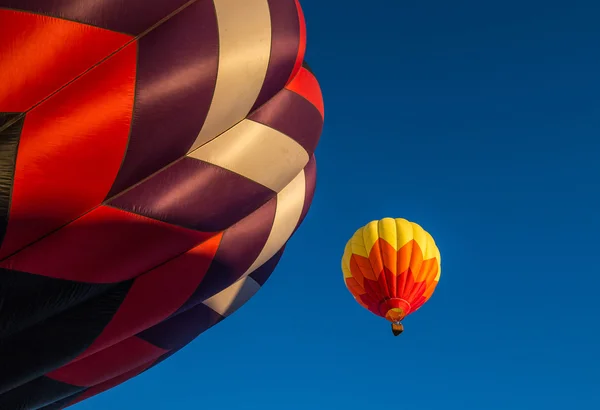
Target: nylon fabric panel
[
  {"x": 294, "y": 116},
  {"x": 195, "y": 194},
  {"x": 33, "y": 44},
  {"x": 306, "y": 85},
  {"x": 257, "y": 152},
  {"x": 65, "y": 163},
  {"x": 181, "y": 328}
]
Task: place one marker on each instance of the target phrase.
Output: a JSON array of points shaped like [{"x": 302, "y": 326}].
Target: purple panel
[
  {"x": 239, "y": 248},
  {"x": 125, "y": 16},
  {"x": 177, "y": 72},
  {"x": 195, "y": 194},
  {"x": 285, "y": 34},
  {"x": 179, "y": 330},
  {"x": 294, "y": 116},
  {"x": 263, "y": 273}
]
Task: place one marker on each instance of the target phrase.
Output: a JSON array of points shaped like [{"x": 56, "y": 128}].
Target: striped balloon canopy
[
  {"x": 391, "y": 267},
  {"x": 156, "y": 156}
]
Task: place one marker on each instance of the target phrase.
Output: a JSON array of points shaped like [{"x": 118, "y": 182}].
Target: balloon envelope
[
  {"x": 391, "y": 267},
  {"x": 155, "y": 158}
]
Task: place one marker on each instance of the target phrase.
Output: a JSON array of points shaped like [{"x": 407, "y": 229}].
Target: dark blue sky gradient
[{"x": 479, "y": 120}]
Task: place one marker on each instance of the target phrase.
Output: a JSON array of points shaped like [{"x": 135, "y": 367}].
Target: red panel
[
  {"x": 40, "y": 54},
  {"x": 157, "y": 294},
  {"x": 302, "y": 44},
  {"x": 109, "y": 384},
  {"x": 70, "y": 151},
  {"x": 109, "y": 363},
  {"x": 106, "y": 245},
  {"x": 306, "y": 85}
]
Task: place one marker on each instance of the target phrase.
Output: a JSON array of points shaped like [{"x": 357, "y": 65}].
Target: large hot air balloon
[
  {"x": 155, "y": 158},
  {"x": 391, "y": 267}
]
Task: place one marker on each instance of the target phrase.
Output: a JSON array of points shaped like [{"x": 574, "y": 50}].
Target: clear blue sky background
[{"x": 479, "y": 120}]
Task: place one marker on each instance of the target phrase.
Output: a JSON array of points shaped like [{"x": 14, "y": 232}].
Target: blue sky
[{"x": 480, "y": 121}]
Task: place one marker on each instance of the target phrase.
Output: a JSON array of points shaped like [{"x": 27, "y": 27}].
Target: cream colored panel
[
  {"x": 257, "y": 152},
  {"x": 233, "y": 297},
  {"x": 244, "y": 53},
  {"x": 290, "y": 202}
]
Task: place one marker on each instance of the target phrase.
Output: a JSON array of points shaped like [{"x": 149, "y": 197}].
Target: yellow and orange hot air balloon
[{"x": 391, "y": 267}]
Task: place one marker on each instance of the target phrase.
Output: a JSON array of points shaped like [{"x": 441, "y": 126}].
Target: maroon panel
[
  {"x": 285, "y": 35},
  {"x": 294, "y": 116},
  {"x": 182, "y": 328},
  {"x": 126, "y": 16},
  {"x": 240, "y": 246},
  {"x": 177, "y": 73},
  {"x": 102, "y": 387},
  {"x": 105, "y": 246},
  {"x": 195, "y": 194},
  {"x": 263, "y": 273}
]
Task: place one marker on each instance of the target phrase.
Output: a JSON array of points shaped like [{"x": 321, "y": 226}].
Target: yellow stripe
[
  {"x": 404, "y": 230},
  {"x": 244, "y": 53},
  {"x": 346, "y": 261},
  {"x": 388, "y": 231},
  {"x": 257, "y": 152},
  {"x": 370, "y": 235},
  {"x": 396, "y": 232},
  {"x": 357, "y": 244}
]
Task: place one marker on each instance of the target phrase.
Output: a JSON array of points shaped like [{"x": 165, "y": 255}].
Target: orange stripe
[
  {"x": 306, "y": 85},
  {"x": 70, "y": 151},
  {"x": 416, "y": 259},
  {"x": 40, "y": 54},
  {"x": 301, "y": 45}
]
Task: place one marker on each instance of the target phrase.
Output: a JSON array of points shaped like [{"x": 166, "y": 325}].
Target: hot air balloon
[
  {"x": 391, "y": 267},
  {"x": 155, "y": 158}
]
